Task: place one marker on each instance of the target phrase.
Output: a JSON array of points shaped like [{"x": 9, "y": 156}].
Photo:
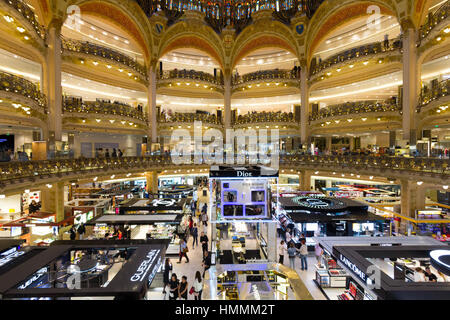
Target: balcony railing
[
  {"x": 103, "y": 52},
  {"x": 14, "y": 84},
  {"x": 28, "y": 14},
  {"x": 262, "y": 117},
  {"x": 362, "y": 51},
  {"x": 266, "y": 75},
  {"x": 11, "y": 172},
  {"x": 428, "y": 95},
  {"x": 189, "y": 118},
  {"x": 354, "y": 108},
  {"x": 190, "y": 75},
  {"x": 434, "y": 19},
  {"x": 76, "y": 105}
]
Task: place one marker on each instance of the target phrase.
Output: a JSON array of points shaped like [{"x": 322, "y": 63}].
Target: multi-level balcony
[
  {"x": 103, "y": 110},
  {"x": 23, "y": 94},
  {"x": 374, "y": 50},
  {"x": 28, "y": 15},
  {"x": 278, "y": 77},
  {"x": 354, "y": 109},
  {"x": 190, "y": 80},
  {"x": 273, "y": 119},
  {"x": 183, "y": 119},
  {"x": 87, "y": 49},
  {"x": 429, "y": 97},
  {"x": 434, "y": 22}
]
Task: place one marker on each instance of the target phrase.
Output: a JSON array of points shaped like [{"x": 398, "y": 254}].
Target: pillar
[
  {"x": 412, "y": 198},
  {"x": 411, "y": 84},
  {"x": 272, "y": 242},
  {"x": 52, "y": 82},
  {"x": 305, "y": 180},
  {"x": 53, "y": 200},
  {"x": 227, "y": 101},
  {"x": 151, "y": 105},
  {"x": 304, "y": 110},
  {"x": 152, "y": 181},
  {"x": 352, "y": 143},
  {"x": 328, "y": 144}
]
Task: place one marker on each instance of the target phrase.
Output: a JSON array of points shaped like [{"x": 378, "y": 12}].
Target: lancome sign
[{"x": 353, "y": 267}]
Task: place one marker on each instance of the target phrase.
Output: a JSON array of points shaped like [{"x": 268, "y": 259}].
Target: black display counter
[
  {"x": 355, "y": 260},
  {"x": 141, "y": 261},
  {"x": 151, "y": 206},
  {"x": 138, "y": 219}
]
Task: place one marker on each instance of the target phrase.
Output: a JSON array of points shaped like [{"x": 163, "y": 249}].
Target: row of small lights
[
  {"x": 95, "y": 63},
  {"x": 112, "y": 121},
  {"x": 267, "y": 84},
  {"x": 351, "y": 66},
  {"x": 20, "y": 29},
  {"x": 349, "y": 120},
  {"x": 188, "y": 84}
]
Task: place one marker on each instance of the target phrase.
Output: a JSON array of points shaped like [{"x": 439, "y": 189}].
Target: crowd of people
[
  {"x": 116, "y": 153},
  {"x": 288, "y": 247}
]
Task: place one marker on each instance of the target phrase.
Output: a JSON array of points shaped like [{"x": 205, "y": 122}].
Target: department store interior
[{"x": 224, "y": 150}]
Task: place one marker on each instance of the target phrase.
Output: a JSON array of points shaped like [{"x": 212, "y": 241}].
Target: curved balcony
[
  {"x": 17, "y": 175},
  {"x": 428, "y": 96},
  {"x": 27, "y": 14},
  {"x": 91, "y": 49},
  {"x": 434, "y": 20},
  {"x": 182, "y": 118},
  {"x": 279, "y": 75},
  {"x": 368, "y": 50},
  {"x": 355, "y": 108},
  {"x": 24, "y": 91},
  {"x": 103, "y": 108},
  {"x": 265, "y": 117},
  {"x": 169, "y": 76}
]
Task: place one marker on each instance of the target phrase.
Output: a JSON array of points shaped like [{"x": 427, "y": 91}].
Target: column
[
  {"x": 328, "y": 144},
  {"x": 305, "y": 180},
  {"x": 304, "y": 110},
  {"x": 352, "y": 143},
  {"x": 152, "y": 181},
  {"x": 227, "y": 101},
  {"x": 151, "y": 105},
  {"x": 411, "y": 85},
  {"x": 412, "y": 198},
  {"x": 53, "y": 200},
  {"x": 52, "y": 83},
  {"x": 272, "y": 243}
]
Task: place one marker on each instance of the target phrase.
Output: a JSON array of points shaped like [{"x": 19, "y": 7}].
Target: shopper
[
  {"x": 318, "y": 252},
  {"x": 205, "y": 215},
  {"x": 206, "y": 262},
  {"x": 204, "y": 241},
  {"x": 182, "y": 288},
  {"x": 73, "y": 234},
  {"x": 114, "y": 153},
  {"x": 81, "y": 231},
  {"x": 183, "y": 251},
  {"x": 167, "y": 269},
  {"x": 173, "y": 287},
  {"x": 34, "y": 207},
  {"x": 288, "y": 236},
  {"x": 191, "y": 224},
  {"x": 430, "y": 275},
  {"x": 194, "y": 236},
  {"x": 282, "y": 248},
  {"x": 198, "y": 286},
  {"x": 107, "y": 153},
  {"x": 419, "y": 275},
  {"x": 304, "y": 255},
  {"x": 120, "y": 153},
  {"x": 292, "y": 251}
]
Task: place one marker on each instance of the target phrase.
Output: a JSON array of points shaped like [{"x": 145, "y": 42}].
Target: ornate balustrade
[
  {"x": 366, "y": 50},
  {"x": 28, "y": 14},
  {"x": 89, "y": 48},
  {"x": 74, "y": 105},
  {"x": 190, "y": 75},
  {"x": 17, "y": 85},
  {"x": 354, "y": 108},
  {"x": 428, "y": 95},
  {"x": 266, "y": 75},
  {"x": 261, "y": 117},
  {"x": 14, "y": 173},
  {"x": 433, "y": 20},
  {"x": 189, "y": 117}
]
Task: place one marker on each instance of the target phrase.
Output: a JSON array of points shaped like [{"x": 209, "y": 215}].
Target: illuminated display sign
[
  {"x": 9, "y": 255},
  {"x": 353, "y": 267},
  {"x": 145, "y": 266}
]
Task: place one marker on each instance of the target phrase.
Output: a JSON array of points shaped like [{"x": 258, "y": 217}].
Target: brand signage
[
  {"x": 9, "y": 255},
  {"x": 145, "y": 266},
  {"x": 353, "y": 267},
  {"x": 440, "y": 259},
  {"x": 163, "y": 202},
  {"x": 35, "y": 280}
]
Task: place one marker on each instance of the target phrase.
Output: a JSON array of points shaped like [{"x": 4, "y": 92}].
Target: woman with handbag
[
  {"x": 183, "y": 251},
  {"x": 197, "y": 288},
  {"x": 173, "y": 287}
]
